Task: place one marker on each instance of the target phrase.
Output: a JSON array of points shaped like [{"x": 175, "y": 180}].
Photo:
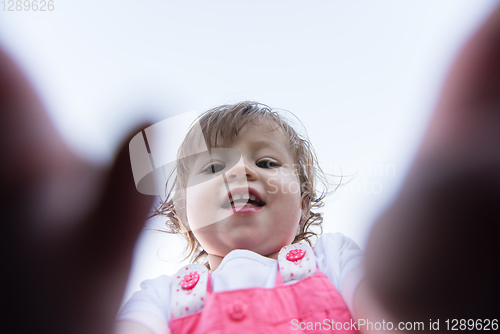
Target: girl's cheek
[
  {"x": 272, "y": 185},
  {"x": 200, "y": 202},
  {"x": 294, "y": 187},
  {"x": 204, "y": 203},
  {"x": 286, "y": 184}
]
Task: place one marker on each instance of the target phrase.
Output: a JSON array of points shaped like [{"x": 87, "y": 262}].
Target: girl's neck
[{"x": 215, "y": 260}]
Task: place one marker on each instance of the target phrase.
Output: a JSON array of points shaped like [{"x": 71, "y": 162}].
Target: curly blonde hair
[{"x": 220, "y": 126}]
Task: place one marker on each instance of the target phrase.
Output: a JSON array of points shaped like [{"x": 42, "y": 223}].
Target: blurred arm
[{"x": 434, "y": 253}]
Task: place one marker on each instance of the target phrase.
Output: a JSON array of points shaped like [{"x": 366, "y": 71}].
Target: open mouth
[{"x": 240, "y": 199}]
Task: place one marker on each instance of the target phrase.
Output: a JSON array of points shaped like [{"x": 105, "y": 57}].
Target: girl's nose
[{"x": 241, "y": 170}]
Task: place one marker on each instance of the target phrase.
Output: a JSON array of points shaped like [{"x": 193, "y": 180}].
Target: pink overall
[{"x": 312, "y": 304}]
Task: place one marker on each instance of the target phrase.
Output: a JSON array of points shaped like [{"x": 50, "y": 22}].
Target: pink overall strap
[{"x": 311, "y": 304}]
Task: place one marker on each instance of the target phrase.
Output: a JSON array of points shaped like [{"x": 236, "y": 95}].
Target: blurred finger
[
  {"x": 468, "y": 112},
  {"x": 107, "y": 241},
  {"x": 30, "y": 147}
]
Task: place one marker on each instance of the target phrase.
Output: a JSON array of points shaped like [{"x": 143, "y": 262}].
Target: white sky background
[{"x": 362, "y": 75}]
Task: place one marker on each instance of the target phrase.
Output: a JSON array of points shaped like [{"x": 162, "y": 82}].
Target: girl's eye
[
  {"x": 267, "y": 164},
  {"x": 213, "y": 168}
]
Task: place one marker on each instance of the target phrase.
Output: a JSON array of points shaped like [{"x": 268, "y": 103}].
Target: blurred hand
[
  {"x": 434, "y": 254},
  {"x": 67, "y": 228}
]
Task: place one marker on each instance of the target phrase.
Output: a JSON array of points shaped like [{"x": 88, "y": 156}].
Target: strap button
[
  {"x": 190, "y": 280},
  {"x": 237, "y": 310},
  {"x": 295, "y": 255}
]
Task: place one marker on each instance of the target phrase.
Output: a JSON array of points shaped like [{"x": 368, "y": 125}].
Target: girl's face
[{"x": 255, "y": 204}]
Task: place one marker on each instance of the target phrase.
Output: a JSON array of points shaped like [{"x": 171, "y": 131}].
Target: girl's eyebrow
[
  {"x": 266, "y": 141},
  {"x": 262, "y": 144},
  {"x": 259, "y": 145}
]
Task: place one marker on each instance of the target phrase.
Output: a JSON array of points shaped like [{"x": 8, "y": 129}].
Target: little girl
[{"x": 246, "y": 206}]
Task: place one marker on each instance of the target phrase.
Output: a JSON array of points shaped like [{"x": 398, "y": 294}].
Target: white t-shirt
[{"x": 337, "y": 256}]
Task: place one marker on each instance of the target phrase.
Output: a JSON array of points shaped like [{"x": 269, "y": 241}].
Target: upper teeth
[{"x": 244, "y": 196}]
